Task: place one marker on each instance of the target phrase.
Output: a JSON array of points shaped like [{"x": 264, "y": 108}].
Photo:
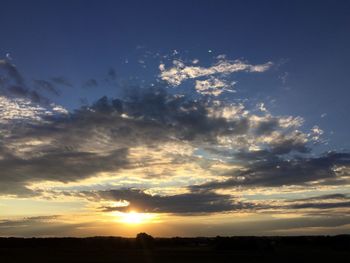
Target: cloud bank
[{"x": 160, "y": 151}]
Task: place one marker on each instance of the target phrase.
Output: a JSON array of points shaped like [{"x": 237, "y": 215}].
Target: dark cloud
[
  {"x": 204, "y": 202},
  {"x": 285, "y": 145},
  {"x": 105, "y": 105},
  {"x": 168, "y": 116},
  {"x": 20, "y": 91},
  {"x": 275, "y": 171},
  {"x": 331, "y": 201},
  {"x": 17, "y": 172},
  {"x": 188, "y": 117},
  {"x": 267, "y": 126},
  {"x": 324, "y": 205},
  {"x": 12, "y": 84},
  {"x": 188, "y": 203},
  {"x": 86, "y": 141},
  {"x": 324, "y": 197},
  {"x": 11, "y": 72}
]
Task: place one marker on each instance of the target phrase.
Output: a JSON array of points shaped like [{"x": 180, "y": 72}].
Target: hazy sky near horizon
[{"x": 181, "y": 118}]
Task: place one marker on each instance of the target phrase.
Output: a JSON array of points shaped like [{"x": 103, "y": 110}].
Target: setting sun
[{"x": 134, "y": 217}]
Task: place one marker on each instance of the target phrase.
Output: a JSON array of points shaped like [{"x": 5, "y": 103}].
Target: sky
[{"x": 185, "y": 118}]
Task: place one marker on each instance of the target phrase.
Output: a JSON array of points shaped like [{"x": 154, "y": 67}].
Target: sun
[{"x": 135, "y": 218}]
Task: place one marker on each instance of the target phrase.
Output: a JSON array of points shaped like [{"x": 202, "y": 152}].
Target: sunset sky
[{"x": 175, "y": 118}]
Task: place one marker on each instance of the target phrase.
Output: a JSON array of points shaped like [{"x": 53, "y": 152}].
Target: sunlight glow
[{"x": 134, "y": 218}]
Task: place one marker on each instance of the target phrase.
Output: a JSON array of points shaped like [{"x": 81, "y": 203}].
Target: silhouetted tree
[{"x": 144, "y": 240}]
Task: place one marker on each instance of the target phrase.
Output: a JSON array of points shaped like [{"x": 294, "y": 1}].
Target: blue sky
[{"x": 264, "y": 84}]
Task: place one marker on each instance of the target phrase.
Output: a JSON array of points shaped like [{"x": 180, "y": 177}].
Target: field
[{"x": 148, "y": 249}]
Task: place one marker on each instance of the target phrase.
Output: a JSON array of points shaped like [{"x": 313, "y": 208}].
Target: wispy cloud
[{"x": 180, "y": 72}]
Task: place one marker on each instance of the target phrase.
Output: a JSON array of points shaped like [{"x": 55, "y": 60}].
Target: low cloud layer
[
  {"x": 188, "y": 203},
  {"x": 269, "y": 169}
]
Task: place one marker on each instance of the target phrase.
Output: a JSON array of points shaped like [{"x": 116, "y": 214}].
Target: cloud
[
  {"x": 101, "y": 138},
  {"x": 178, "y": 116},
  {"x": 213, "y": 86},
  {"x": 163, "y": 152},
  {"x": 316, "y": 133},
  {"x": 187, "y": 203},
  {"x": 205, "y": 202},
  {"x": 11, "y": 72},
  {"x": 324, "y": 197},
  {"x": 19, "y": 109},
  {"x": 13, "y": 85},
  {"x": 330, "y": 201},
  {"x": 180, "y": 72},
  {"x": 62, "y": 166},
  {"x": 96, "y": 139},
  {"x": 266, "y": 169},
  {"x": 153, "y": 134},
  {"x": 321, "y": 205}
]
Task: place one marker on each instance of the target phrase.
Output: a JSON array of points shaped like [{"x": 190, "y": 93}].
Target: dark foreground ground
[{"x": 146, "y": 249}]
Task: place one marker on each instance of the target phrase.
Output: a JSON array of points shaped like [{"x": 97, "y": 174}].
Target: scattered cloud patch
[
  {"x": 213, "y": 86},
  {"x": 180, "y": 72}
]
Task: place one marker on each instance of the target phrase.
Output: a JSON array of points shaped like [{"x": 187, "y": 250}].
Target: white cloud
[
  {"x": 195, "y": 61},
  {"x": 316, "y": 133},
  {"x": 261, "y": 106},
  {"x": 180, "y": 72},
  {"x": 59, "y": 109},
  {"x": 228, "y": 112},
  {"x": 291, "y": 122},
  {"x": 212, "y": 86},
  {"x": 20, "y": 109}
]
